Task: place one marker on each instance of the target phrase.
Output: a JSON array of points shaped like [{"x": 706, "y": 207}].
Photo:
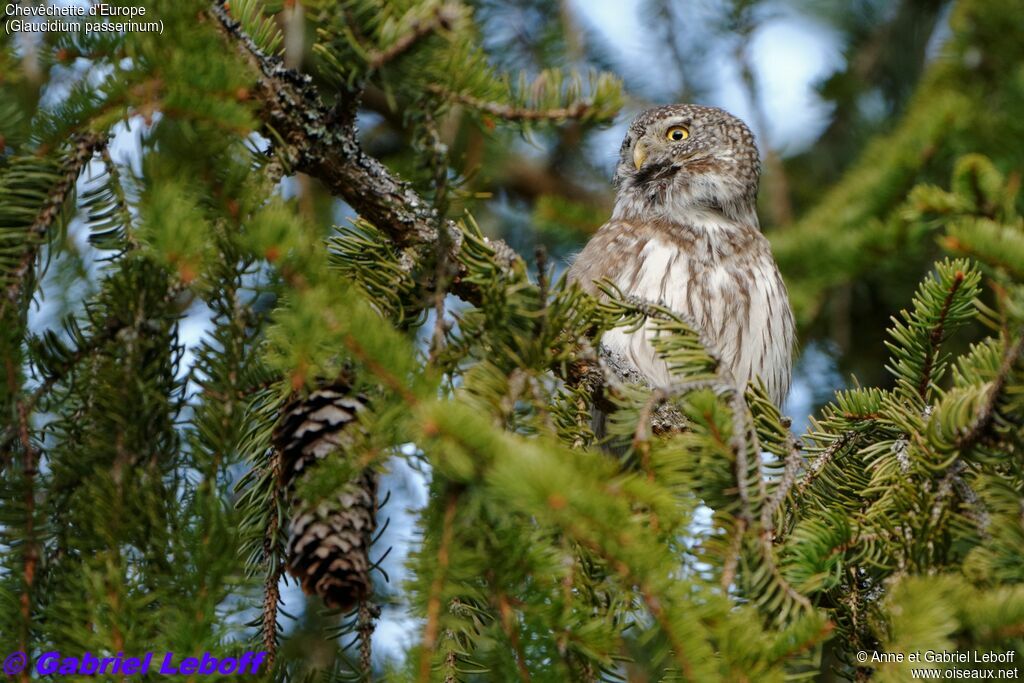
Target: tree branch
[
  {"x": 29, "y": 545},
  {"x": 577, "y": 110},
  {"x": 365, "y": 627},
  {"x": 80, "y": 155},
  {"x": 935, "y": 340},
  {"x": 430, "y": 628},
  {"x": 322, "y": 143},
  {"x": 94, "y": 344},
  {"x": 984, "y": 417},
  {"x": 822, "y": 461},
  {"x": 442, "y": 19},
  {"x": 275, "y": 567},
  {"x": 793, "y": 461}
]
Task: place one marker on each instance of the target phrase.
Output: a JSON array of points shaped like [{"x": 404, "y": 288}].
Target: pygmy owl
[{"x": 684, "y": 233}]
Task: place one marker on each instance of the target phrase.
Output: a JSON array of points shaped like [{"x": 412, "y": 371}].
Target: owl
[{"x": 684, "y": 233}]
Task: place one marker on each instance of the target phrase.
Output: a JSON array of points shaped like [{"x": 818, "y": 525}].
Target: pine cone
[
  {"x": 316, "y": 426},
  {"x": 328, "y": 542}
]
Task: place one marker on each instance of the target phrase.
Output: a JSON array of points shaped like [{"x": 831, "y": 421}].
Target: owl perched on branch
[{"x": 684, "y": 233}]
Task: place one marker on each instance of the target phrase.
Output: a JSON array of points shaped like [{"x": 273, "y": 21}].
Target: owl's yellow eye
[{"x": 677, "y": 133}]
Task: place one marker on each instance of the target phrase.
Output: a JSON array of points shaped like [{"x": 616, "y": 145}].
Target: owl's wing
[
  {"x": 630, "y": 255},
  {"x": 613, "y": 252}
]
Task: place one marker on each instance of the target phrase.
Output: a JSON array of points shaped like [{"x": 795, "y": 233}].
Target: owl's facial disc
[{"x": 686, "y": 157}]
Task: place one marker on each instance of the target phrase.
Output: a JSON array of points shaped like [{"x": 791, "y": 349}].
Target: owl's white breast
[{"x": 736, "y": 302}]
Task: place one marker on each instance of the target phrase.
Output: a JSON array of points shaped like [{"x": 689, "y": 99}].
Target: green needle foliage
[{"x": 144, "y": 504}]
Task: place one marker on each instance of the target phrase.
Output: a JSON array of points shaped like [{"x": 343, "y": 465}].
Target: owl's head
[{"x": 687, "y": 157}]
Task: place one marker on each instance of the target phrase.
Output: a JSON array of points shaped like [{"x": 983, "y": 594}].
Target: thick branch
[{"x": 322, "y": 143}]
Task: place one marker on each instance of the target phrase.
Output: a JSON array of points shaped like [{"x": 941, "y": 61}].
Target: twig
[
  {"x": 82, "y": 152},
  {"x": 443, "y": 18},
  {"x": 509, "y": 626},
  {"x": 740, "y": 448},
  {"x": 786, "y": 481},
  {"x": 816, "y": 468},
  {"x": 769, "y": 559},
  {"x": 943, "y": 491},
  {"x": 541, "y": 256},
  {"x": 122, "y": 199},
  {"x": 577, "y": 110},
  {"x": 430, "y": 629},
  {"x": 976, "y": 512},
  {"x": 805, "y": 644},
  {"x": 98, "y": 340},
  {"x": 366, "y": 627},
  {"x": 742, "y": 430},
  {"x": 450, "y": 662},
  {"x": 984, "y": 417},
  {"x": 733, "y": 558},
  {"x": 935, "y": 339},
  {"x": 271, "y": 587},
  {"x": 641, "y": 435},
  {"x": 442, "y": 267},
  {"x": 30, "y": 551},
  {"x": 822, "y": 461},
  {"x": 378, "y": 370},
  {"x": 271, "y": 600},
  {"x": 666, "y": 20},
  {"x": 952, "y": 479},
  {"x": 777, "y": 183},
  {"x": 654, "y": 606}
]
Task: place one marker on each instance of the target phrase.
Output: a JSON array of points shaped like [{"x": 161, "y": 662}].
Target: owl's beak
[{"x": 639, "y": 154}]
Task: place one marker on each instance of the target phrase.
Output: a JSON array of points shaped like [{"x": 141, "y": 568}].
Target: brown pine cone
[
  {"x": 329, "y": 544},
  {"x": 314, "y": 427},
  {"x": 329, "y": 541}
]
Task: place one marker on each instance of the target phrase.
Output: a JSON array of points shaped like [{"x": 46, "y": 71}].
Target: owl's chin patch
[
  {"x": 655, "y": 172},
  {"x": 672, "y": 191}
]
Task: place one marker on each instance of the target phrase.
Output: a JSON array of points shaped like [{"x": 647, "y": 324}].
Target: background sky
[{"x": 791, "y": 52}]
